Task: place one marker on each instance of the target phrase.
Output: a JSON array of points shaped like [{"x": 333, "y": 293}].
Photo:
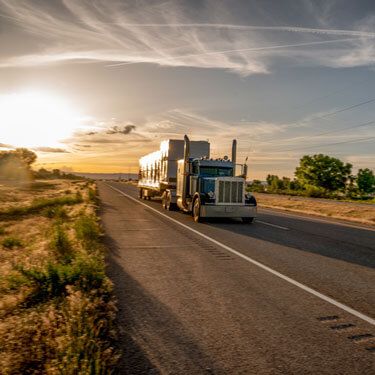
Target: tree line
[
  {"x": 315, "y": 176},
  {"x": 321, "y": 176},
  {"x": 16, "y": 165}
]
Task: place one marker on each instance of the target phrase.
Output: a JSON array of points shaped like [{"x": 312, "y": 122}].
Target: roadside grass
[
  {"x": 11, "y": 242},
  {"x": 57, "y": 212},
  {"x": 56, "y": 303},
  {"x": 40, "y": 204},
  {"x": 87, "y": 232},
  {"x": 354, "y": 212}
]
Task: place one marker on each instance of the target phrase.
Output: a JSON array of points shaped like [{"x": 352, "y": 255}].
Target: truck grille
[{"x": 230, "y": 192}]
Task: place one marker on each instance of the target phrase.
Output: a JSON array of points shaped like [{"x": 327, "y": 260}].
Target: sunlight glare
[{"x": 33, "y": 119}]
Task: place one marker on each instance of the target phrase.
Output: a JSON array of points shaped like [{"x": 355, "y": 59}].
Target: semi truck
[{"x": 184, "y": 176}]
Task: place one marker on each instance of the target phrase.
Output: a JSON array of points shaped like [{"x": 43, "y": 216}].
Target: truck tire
[
  {"x": 247, "y": 220},
  {"x": 164, "y": 200},
  {"x": 197, "y": 211},
  {"x": 168, "y": 202},
  {"x": 140, "y": 193}
]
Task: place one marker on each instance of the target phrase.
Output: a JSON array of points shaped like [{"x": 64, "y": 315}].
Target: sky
[{"x": 91, "y": 86}]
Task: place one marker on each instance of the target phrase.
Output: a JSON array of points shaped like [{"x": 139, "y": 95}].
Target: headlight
[{"x": 211, "y": 195}]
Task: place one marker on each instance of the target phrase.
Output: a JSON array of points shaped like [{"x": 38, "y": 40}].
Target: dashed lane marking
[
  {"x": 272, "y": 225},
  {"x": 256, "y": 263}
]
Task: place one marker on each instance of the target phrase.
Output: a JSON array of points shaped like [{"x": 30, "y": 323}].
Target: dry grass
[
  {"x": 56, "y": 305},
  {"x": 355, "y": 212}
]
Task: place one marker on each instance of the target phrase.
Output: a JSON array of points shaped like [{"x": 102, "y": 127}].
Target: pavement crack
[
  {"x": 328, "y": 318},
  {"x": 361, "y": 337},
  {"x": 340, "y": 327}
]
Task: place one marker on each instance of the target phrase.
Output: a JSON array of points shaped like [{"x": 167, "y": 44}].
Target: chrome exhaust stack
[
  {"x": 234, "y": 152},
  {"x": 186, "y": 171}
]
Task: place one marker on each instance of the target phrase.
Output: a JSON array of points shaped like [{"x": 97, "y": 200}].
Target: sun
[{"x": 34, "y": 119}]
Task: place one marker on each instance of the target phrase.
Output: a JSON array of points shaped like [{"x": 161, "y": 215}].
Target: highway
[{"x": 287, "y": 294}]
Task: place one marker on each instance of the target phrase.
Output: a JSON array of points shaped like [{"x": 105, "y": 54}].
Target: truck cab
[{"x": 212, "y": 189}]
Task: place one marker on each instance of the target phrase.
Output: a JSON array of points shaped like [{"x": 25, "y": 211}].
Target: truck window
[
  {"x": 195, "y": 168},
  {"x": 216, "y": 172}
]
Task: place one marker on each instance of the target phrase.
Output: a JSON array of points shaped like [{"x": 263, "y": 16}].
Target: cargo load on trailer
[{"x": 184, "y": 176}]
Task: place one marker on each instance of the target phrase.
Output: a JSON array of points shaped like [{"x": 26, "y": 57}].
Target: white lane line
[
  {"x": 134, "y": 220},
  {"x": 139, "y": 229},
  {"x": 260, "y": 265},
  {"x": 155, "y": 247},
  {"x": 271, "y": 225},
  {"x": 299, "y": 215}
]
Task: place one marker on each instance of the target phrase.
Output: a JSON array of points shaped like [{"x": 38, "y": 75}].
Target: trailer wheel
[
  {"x": 197, "y": 211},
  {"x": 164, "y": 200},
  {"x": 168, "y": 202},
  {"x": 247, "y": 220}
]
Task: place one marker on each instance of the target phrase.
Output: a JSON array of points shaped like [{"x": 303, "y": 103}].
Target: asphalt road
[{"x": 284, "y": 295}]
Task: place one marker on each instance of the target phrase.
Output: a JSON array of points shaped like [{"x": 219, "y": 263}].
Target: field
[
  {"x": 356, "y": 212},
  {"x": 56, "y": 307}
]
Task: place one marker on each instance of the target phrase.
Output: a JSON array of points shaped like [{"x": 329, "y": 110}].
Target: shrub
[
  {"x": 2, "y": 231},
  {"x": 51, "y": 281},
  {"x": 315, "y": 191},
  {"x": 92, "y": 195},
  {"x": 62, "y": 246},
  {"x": 11, "y": 242},
  {"x": 79, "y": 198},
  {"x": 15, "y": 281},
  {"x": 87, "y": 230},
  {"x": 57, "y": 212}
]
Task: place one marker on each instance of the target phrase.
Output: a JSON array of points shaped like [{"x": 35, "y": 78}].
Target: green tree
[
  {"x": 27, "y": 156},
  {"x": 274, "y": 183},
  {"x": 323, "y": 171},
  {"x": 286, "y": 183},
  {"x": 15, "y": 164},
  {"x": 257, "y": 186},
  {"x": 294, "y": 185},
  {"x": 270, "y": 178},
  {"x": 366, "y": 181}
]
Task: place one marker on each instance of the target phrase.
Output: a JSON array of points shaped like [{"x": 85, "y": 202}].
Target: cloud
[
  {"x": 126, "y": 129},
  {"x": 114, "y": 129},
  {"x": 50, "y": 149},
  {"x": 163, "y": 33}
]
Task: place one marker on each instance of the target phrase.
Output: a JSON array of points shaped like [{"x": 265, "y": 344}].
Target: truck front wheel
[
  {"x": 197, "y": 211},
  {"x": 247, "y": 220}
]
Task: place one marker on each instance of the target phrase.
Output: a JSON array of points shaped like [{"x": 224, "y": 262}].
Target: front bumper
[{"x": 228, "y": 211}]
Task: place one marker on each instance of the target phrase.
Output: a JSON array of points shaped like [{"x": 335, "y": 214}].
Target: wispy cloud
[
  {"x": 50, "y": 149},
  {"x": 121, "y": 33},
  {"x": 126, "y": 129}
]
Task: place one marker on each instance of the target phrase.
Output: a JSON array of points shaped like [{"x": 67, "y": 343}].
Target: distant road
[{"x": 285, "y": 295}]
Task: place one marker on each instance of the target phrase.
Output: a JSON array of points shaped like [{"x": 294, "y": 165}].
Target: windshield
[
  {"x": 216, "y": 172},
  {"x": 208, "y": 185}
]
